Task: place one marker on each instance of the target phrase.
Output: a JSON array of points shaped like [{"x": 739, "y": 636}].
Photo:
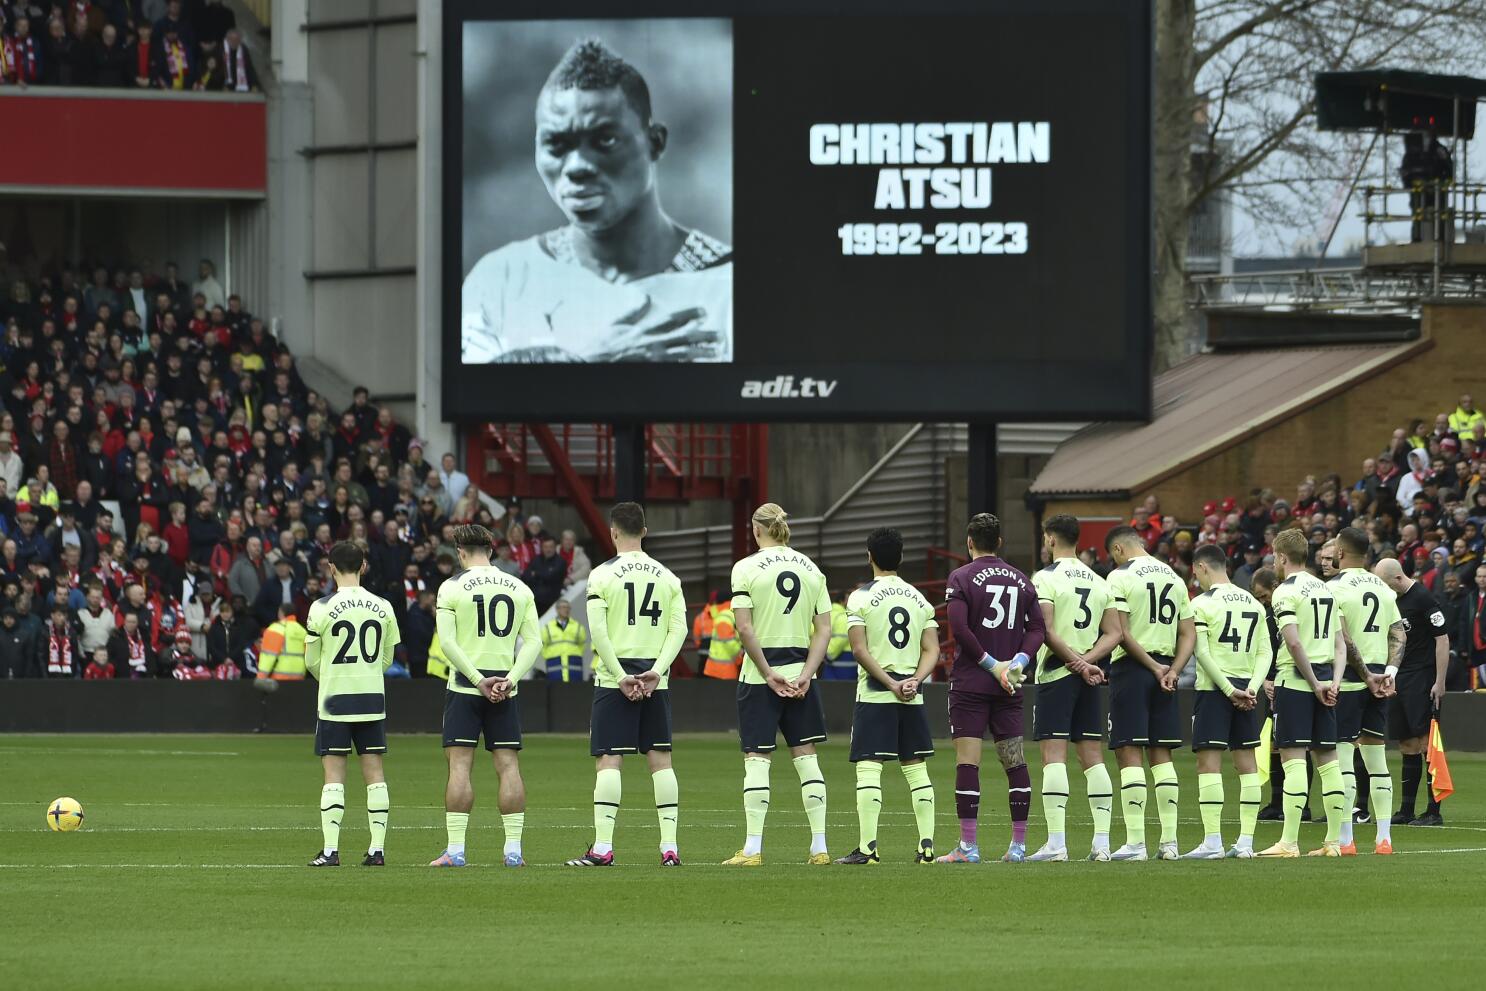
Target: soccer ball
[{"x": 64, "y": 815}]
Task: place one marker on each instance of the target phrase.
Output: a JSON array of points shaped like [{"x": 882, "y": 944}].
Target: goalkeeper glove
[{"x": 1009, "y": 674}]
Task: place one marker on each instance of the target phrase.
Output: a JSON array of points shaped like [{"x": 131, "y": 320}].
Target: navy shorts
[
  {"x": 890, "y": 731},
  {"x": 1360, "y": 713},
  {"x": 466, "y": 717},
  {"x": 1219, "y": 725},
  {"x": 1410, "y": 709},
  {"x": 619, "y": 726},
  {"x": 1301, "y": 721},
  {"x": 763, "y": 716},
  {"x": 1141, "y": 712},
  {"x": 333, "y": 739},
  {"x": 1066, "y": 709}
]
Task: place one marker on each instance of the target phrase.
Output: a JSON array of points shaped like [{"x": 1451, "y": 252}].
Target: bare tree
[{"x": 1235, "y": 79}]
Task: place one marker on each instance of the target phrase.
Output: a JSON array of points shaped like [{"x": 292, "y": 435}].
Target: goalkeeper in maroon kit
[{"x": 998, "y": 628}]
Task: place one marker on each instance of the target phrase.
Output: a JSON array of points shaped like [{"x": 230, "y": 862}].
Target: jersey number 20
[{"x": 368, "y": 638}]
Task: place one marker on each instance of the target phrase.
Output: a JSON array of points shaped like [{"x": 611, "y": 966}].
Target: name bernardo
[{"x": 962, "y": 143}]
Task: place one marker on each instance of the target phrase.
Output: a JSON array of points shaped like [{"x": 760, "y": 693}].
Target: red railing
[{"x": 932, "y": 586}]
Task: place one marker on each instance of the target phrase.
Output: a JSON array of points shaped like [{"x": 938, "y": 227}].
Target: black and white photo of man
[{"x": 620, "y": 280}]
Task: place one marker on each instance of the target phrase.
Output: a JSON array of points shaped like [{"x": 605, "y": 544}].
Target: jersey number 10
[{"x": 493, "y": 624}]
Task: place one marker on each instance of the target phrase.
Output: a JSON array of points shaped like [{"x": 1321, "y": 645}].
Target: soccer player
[
  {"x": 1082, "y": 626},
  {"x": 1233, "y": 658},
  {"x": 358, "y": 632},
  {"x": 784, "y": 620},
  {"x": 1374, "y": 632},
  {"x": 1308, "y": 675},
  {"x": 1418, "y": 683},
  {"x": 621, "y": 281},
  {"x": 997, "y": 626},
  {"x": 638, "y": 619},
  {"x": 893, "y": 637},
  {"x": 481, "y": 613},
  {"x": 1157, "y": 638}
]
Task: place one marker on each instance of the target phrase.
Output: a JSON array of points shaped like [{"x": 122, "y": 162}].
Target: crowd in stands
[
  {"x": 131, "y": 44},
  {"x": 1421, "y": 499},
  {"x": 170, "y": 486}
]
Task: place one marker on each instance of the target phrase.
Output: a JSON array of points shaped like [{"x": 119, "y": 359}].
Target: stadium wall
[
  {"x": 1335, "y": 434},
  {"x": 698, "y": 706}
]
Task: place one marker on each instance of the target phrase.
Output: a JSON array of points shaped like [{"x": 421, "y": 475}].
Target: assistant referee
[{"x": 1419, "y": 682}]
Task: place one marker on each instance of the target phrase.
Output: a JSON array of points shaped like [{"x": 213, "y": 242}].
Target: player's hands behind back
[{"x": 649, "y": 681}]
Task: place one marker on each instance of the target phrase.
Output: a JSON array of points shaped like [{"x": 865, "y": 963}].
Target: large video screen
[{"x": 780, "y": 211}]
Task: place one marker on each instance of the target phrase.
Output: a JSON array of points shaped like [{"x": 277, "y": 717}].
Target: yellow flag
[{"x": 1261, "y": 755}]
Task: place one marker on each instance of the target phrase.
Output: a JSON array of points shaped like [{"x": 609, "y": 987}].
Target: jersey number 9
[
  {"x": 369, "y": 639},
  {"x": 788, "y": 585}
]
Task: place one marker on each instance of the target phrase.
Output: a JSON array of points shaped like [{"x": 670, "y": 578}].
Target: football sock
[
  {"x": 967, "y": 801},
  {"x": 1381, "y": 783},
  {"x": 1055, "y": 801},
  {"x": 1210, "y": 802},
  {"x": 1345, "y": 752},
  {"x": 1101, "y": 801},
  {"x": 1019, "y": 798},
  {"x": 667, "y": 806},
  {"x": 606, "y": 791},
  {"x": 1250, "y": 795},
  {"x": 1333, "y": 798},
  {"x": 1295, "y": 797},
  {"x": 1163, "y": 776},
  {"x": 377, "y": 807},
  {"x": 813, "y": 795},
  {"x": 755, "y": 801},
  {"x": 869, "y": 802},
  {"x": 456, "y": 824},
  {"x": 1276, "y": 779},
  {"x": 332, "y": 811},
  {"x": 1359, "y": 775},
  {"x": 1433, "y": 805},
  {"x": 921, "y": 794},
  {"x": 1413, "y": 770},
  {"x": 513, "y": 823},
  {"x": 1132, "y": 798}
]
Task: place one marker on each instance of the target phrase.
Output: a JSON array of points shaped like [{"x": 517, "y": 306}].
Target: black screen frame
[{"x": 1057, "y": 388}]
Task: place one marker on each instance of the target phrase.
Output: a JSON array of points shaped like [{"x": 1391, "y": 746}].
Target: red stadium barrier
[{"x": 112, "y": 142}]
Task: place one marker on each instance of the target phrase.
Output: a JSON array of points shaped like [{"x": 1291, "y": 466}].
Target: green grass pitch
[{"x": 188, "y": 874}]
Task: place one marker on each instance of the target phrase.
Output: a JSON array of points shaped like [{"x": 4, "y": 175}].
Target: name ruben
[{"x": 342, "y": 603}]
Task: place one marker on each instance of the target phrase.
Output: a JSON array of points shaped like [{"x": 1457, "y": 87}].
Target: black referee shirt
[{"x": 1424, "y": 621}]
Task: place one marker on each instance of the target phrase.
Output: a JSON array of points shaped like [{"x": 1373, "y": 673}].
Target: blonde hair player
[{"x": 783, "y": 615}]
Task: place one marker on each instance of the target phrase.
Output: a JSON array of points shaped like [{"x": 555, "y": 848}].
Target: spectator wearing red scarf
[{"x": 22, "y": 54}]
